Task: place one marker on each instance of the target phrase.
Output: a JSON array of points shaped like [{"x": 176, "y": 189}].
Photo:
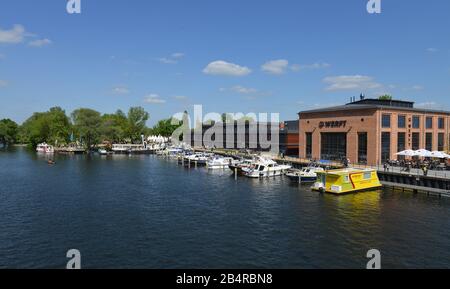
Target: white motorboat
[
  {"x": 104, "y": 152},
  {"x": 198, "y": 158},
  {"x": 170, "y": 152},
  {"x": 45, "y": 148},
  {"x": 238, "y": 166},
  {"x": 219, "y": 162},
  {"x": 305, "y": 175},
  {"x": 265, "y": 168}
]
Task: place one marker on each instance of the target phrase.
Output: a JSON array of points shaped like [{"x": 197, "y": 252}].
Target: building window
[
  {"x": 385, "y": 146},
  {"x": 401, "y": 141},
  {"x": 401, "y": 121},
  {"x": 386, "y": 121},
  {"x": 362, "y": 147},
  {"x": 429, "y": 122},
  {"x": 441, "y": 123},
  {"x": 440, "y": 142},
  {"x": 308, "y": 145},
  {"x": 415, "y": 141},
  {"x": 416, "y": 121},
  {"x": 333, "y": 146},
  {"x": 429, "y": 141}
]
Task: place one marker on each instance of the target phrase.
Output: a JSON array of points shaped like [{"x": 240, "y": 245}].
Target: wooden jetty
[{"x": 416, "y": 189}]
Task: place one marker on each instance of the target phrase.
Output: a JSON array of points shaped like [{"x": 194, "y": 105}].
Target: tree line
[{"x": 84, "y": 126}]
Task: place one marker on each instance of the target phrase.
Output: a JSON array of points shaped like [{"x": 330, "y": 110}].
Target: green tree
[
  {"x": 87, "y": 124},
  {"x": 52, "y": 127},
  {"x": 114, "y": 126},
  {"x": 385, "y": 97},
  {"x": 8, "y": 131},
  {"x": 35, "y": 129},
  {"x": 137, "y": 118},
  {"x": 166, "y": 127},
  {"x": 60, "y": 126}
]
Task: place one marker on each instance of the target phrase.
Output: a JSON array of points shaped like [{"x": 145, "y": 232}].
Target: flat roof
[{"x": 354, "y": 106}]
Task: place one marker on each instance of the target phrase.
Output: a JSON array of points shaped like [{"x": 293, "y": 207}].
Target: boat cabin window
[
  {"x": 346, "y": 179},
  {"x": 261, "y": 168},
  {"x": 367, "y": 175}
]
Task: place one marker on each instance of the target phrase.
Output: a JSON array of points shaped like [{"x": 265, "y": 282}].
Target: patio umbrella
[
  {"x": 424, "y": 153},
  {"x": 439, "y": 155},
  {"x": 407, "y": 153},
  {"x": 447, "y": 156}
]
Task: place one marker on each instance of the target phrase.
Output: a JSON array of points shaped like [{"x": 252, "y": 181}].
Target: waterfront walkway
[{"x": 297, "y": 162}]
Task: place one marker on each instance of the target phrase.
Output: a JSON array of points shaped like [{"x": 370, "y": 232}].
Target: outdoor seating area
[{"x": 420, "y": 159}]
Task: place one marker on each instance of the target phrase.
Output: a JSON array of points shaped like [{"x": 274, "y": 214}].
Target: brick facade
[{"x": 369, "y": 120}]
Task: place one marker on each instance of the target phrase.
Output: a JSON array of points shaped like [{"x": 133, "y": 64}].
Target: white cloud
[
  {"x": 172, "y": 59},
  {"x": 17, "y": 34},
  {"x": 317, "y": 65},
  {"x": 180, "y": 97},
  {"x": 13, "y": 36},
  {"x": 154, "y": 99},
  {"x": 177, "y": 55},
  {"x": 221, "y": 67},
  {"x": 350, "y": 82},
  {"x": 243, "y": 90},
  {"x": 167, "y": 60},
  {"x": 275, "y": 66},
  {"x": 40, "y": 42},
  {"x": 417, "y": 87},
  {"x": 3, "y": 83},
  {"x": 120, "y": 90}
]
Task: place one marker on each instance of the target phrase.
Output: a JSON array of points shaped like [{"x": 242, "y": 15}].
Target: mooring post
[
  {"x": 235, "y": 173},
  {"x": 195, "y": 164}
]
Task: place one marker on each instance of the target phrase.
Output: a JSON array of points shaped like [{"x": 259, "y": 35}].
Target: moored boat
[
  {"x": 305, "y": 175},
  {"x": 219, "y": 162},
  {"x": 45, "y": 148},
  {"x": 348, "y": 180},
  {"x": 104, "y": 152},
  {"x": 199, "y": 159},
  {"x": 265, "y": 168},
  {"x": 238, "y": 166}
]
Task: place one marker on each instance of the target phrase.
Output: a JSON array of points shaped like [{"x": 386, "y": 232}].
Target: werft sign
[{"x": 332, "y": 124}]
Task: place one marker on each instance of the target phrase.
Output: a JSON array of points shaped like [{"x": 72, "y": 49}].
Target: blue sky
[{"x": 230, "y": 56}]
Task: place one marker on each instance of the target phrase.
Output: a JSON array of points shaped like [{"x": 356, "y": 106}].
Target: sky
[{"x": 229, "y": 56}]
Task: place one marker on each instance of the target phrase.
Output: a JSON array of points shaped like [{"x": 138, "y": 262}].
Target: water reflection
[{"x": 149, "y": 212}]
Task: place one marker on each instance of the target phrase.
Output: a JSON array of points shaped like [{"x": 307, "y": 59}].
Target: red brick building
[
  {"x": 371, "y": 131},
  {"x": 289, "y": 138}
]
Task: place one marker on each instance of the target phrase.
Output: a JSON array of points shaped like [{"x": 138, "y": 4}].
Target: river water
[{"x": 149, "y": 212}]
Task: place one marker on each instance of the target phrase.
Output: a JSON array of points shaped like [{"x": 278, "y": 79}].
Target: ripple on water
[{"x": 146, "y": 212}]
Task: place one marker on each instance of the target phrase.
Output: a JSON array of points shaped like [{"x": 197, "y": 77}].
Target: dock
[
  {"x": 70, "y": 150},
  {"x": 435, "y": 183},
  {"x": 417, "y": 189}
]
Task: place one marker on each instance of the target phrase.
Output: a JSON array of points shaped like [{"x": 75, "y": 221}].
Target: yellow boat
[{"x": 344, "y": 181}]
